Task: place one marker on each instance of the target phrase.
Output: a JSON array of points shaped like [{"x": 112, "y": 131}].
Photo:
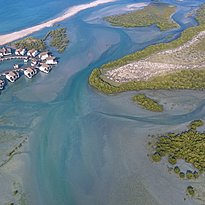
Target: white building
[
  {"x": 17, "y": 52},
  {"x": 12, "y": 76},
  {"x": 2, "y": 83},
  {"x": 51, "y": 60},
  {"x": 32, "y": 53},
  {"x": 43, "y": 55},
  {"x": 20, "y": 51},
  {"x": 45, "y": 68},
  {"x": 1, "y": 53},
  {"x": 26, "y": 60},
  {"x": 6, "y": 51},
  {"x": 34, "y": 62},
  {"x": 30, "y": 72}
]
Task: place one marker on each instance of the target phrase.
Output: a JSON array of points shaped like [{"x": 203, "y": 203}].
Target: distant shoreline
[{"x": 7, "y": 38}]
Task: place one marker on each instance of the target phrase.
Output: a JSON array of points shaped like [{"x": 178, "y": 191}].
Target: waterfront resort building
[
  {"x": 45, "y": 68},
  {"x": 34, "y": 62},
  {"x": 43, "y": 55},
  {"x": 51, "y": 60},
  {"x": 30, "y": 72},
  {"x": 6, "y": 51},
  {"x": 32, "y": 53},
  {"x": 20, "y": 51},
  {"x": 12, "y": 76}
]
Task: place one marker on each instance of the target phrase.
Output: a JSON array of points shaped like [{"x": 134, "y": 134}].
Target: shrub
[
  {"x": 156, "y": 157},
  {"x": 176, "y": 169},
  {"x": 190, "y": 191},
  {"x": 182, "y": 175},
  {"x": 189, "y": 174}
]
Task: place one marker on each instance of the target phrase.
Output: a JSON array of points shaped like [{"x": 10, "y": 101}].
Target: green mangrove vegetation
[
  {"x": 188, "y": 145},
  {"x": 58, "y": 39},
  {"x": 190, "y": 191},
  {"x": 200, "y": 15},
  {"x": 154, "y": 13},
  {"x": 31, "y": 43},
  {"x": 147, "y": 103},
  {"x": 181, "y": 79}
]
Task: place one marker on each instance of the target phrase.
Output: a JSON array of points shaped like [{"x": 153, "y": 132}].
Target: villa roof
[
  {"x": 6, "y": 49},
  {"x": 29, "y": 69},
  {"x": 34, "y": 60},
  {"x": 1, "y": 81},
  {"x": 12, "y": 73},
  {"x": 44, "y": 65},
  {"x": 51, "y": 58},
  {"x": 43, "y": 53},
  {"x": 31, "y": 51}
]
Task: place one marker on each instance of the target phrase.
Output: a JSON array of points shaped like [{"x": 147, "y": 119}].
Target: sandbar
[{"x": 7, "y": 38}]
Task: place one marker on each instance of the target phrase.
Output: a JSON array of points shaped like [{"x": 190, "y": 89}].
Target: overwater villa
[
  {"x": 32, "y": 53},
  {"x": 1, "y": 52},
  {"x": 20, "y": 51},
  {"x": 26, "y": 60},
  {"x": 45, "y": 68},
  {"x": 12, "y": 76},
  {"x": 34, "y": 62},
  {"x": 6, "y": 51},
  {"x": 2, "y": 83},
  {"x": 30, "y": 72},
  {"x": 43, "y": 55},
  {"x": 51, "y": 60}
]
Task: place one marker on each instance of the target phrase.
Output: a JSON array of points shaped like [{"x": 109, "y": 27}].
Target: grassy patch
[
  {"x": 31, "y": 43},
  {"x": 154, "y": 13},
  {"x": 147, "y": 103},
  {"x": 58, "y": 39},
  {"x": 188, "y": 145}
]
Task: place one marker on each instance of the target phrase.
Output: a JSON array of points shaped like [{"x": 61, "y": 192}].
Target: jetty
[{"x": 12, "y": 58}]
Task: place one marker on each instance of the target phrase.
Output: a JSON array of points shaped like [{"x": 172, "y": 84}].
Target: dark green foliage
[
  {"x": 190, "y": 191},
  {"x": 188, "y": 145},
  {"x": 196, "y": 174},
  {"x": 184, "y": 79},
  {"x": 154, "y": 13},
  {"x": 182, "y": 175},
  {"x": 147, "y": 103},
  {"x": 59, "y": 39},
  {"x": 176, "y": 169},
  {"x": 200, "y": 15},
  {"x": 196, "y": 123},
  {"x": 31, "y": 43},
  {"x": 189, "y": 174},
  {"x": 172, "y": 160},
  {"x": 156, "y": 157}
]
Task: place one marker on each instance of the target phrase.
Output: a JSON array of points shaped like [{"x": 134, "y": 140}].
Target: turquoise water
[{"x": 85, "y": 147}]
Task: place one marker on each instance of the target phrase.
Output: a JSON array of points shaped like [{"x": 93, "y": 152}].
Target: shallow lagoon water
[{"x": 88, "y": 148}]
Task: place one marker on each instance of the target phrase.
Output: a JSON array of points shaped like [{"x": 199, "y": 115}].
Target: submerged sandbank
[{"x": 7, "y": 38}]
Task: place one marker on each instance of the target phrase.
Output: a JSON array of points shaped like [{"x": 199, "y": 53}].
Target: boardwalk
[{"x": 12, "y": 58}]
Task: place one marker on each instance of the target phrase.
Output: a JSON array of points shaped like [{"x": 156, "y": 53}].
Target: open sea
[{"x": 86, "y": 148}]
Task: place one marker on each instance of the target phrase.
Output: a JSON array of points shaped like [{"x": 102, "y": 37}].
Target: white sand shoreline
[{"x": 7, "y": 38}]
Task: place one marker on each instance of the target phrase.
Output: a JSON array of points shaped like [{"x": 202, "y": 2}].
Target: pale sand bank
[
  {"x": 7, "y": 38},
  {"x": 138, "y": 5}
]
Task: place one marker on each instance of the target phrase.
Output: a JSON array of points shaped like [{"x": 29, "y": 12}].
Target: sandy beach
[{"x": 7, "y": 38}]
